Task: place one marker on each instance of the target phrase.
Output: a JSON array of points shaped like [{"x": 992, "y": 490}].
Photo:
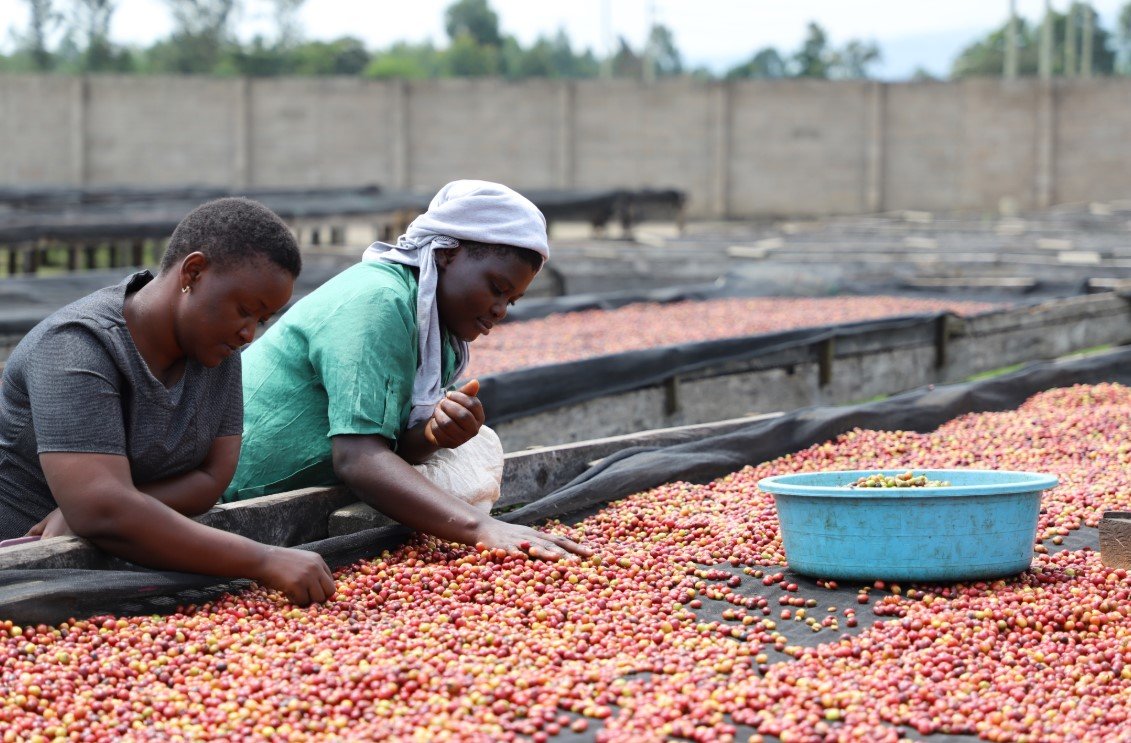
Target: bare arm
[
  {"x": 97, "y": 498},
  {"x": 379, "y": 477},
  {"x": 413, "y": 446},
  {"x": 455, "y": 421},
  {"x": 191, "y": 493},
  {"x": 196, "y": 491}
]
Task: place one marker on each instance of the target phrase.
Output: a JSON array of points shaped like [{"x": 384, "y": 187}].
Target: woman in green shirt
[{"x": 349, "y": 385}]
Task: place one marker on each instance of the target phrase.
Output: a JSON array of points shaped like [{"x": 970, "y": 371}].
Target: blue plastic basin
[{"x": 980, "y": 526}]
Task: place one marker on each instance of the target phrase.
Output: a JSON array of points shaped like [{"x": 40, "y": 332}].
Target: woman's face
[
  {"x": 226, "y": 304},
  {"x": 473, "y": 293}
]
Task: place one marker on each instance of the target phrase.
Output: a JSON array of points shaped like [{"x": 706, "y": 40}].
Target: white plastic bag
[{"x": 472, "y": 472}]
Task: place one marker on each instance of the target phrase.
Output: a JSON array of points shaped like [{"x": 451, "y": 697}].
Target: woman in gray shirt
[{"x": 121, "y": 413}]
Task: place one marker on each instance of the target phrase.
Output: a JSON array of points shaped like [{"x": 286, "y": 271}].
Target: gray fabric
[
  {"x": 479, "y": 211},
  {"x": 76, "y": 383}
]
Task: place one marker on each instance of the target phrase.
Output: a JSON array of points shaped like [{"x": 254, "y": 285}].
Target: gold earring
[{"x": 186, "y": 289}]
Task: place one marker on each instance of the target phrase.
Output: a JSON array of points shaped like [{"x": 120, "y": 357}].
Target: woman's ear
[
  {"x": 445, "y": 256},
  {"x": 192, "y": 265}
]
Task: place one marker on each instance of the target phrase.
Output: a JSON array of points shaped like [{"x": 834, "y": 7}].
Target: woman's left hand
[
  {"x": 457, "y": 419},
  {"x": 52, "y": 525}
]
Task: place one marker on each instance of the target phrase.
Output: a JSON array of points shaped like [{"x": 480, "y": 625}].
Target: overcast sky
[{"x": 712, "y": 33}]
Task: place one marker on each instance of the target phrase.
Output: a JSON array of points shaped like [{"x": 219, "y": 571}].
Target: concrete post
[
  {"x": 721, "y": 146},
  {"x": 400, "y": 141},
  {"x": 80, "y": 108},
  {"x": 1045, "y": 60},
  {"x": 1088, "y": 42},
  {"x": 241, "y": 159},
  {"x": 1070, "y": 42},
  {"x": 1010, "y": 70},
  {"x": 874, "y": 163},
  {"x": 1046, "y": 144},
  {"x": 567, "y": 137}
]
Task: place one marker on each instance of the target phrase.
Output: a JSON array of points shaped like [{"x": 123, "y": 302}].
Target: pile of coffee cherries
[
  {"x": 436, "y": 641},
  {"x": 578, "y": 335},
  {"x": 906, "y": 479}
]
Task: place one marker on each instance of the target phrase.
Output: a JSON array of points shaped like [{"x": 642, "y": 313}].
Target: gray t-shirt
[{"x": 77, "y": 383}]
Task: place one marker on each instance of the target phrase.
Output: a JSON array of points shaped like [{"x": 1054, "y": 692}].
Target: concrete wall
[{"x": 739, "y": 149}]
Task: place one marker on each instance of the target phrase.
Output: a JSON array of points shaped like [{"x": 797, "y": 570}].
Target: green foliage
[
  {"x": 852, "y": 62},
  {"x": 202, "y": 42},
  {"x": 465, "y": 57},
  {"x": 666, "y": 59},
  {"x": 816, "y": 58},
  {"x": 344, "y": 56},
  {"x": 408, "y": 61},
  {"x": 45, "y": 18},
  {"x": 626, "y": 62},
  {"x": 813, "y": 58},
  {"x": 766, "y": 64},
  {"x": 185, "y": 53},
  {"x": 986, "y": 57},
  {"x": 1123, "y": 40},
  {"x": 473, "y": 18}
]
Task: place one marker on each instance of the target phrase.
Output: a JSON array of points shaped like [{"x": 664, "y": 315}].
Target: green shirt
[{"x": 342, "y": 360}]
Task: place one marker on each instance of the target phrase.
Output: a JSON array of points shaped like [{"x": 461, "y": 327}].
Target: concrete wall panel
[
  {"x": 798, "y": 147},
  {"x": 38, "y": 122},
  {"x": 999, "y": 161},
  {"x": 485, "y": 129},
  {"x": 1092, "y": 147},
  {"x": 161, "y": 131},
  {"x": 645, "y": 136},
  {"x": 313, "y": 132},
  {"x": 738, "y": 149},
  {"x": 923, "y": 134}
]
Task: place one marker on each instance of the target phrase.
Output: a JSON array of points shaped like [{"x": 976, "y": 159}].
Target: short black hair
[
  {"x": 526, "y": 255},
  {"x": 234, "y": 230}
]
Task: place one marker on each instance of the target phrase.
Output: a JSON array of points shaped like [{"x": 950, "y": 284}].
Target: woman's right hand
[
  {"x": 457, "y": 418},
  {"x": 52, "y": 525},
  {"x": 303, "y": 576},
  {"x": 495, "y": 534}
]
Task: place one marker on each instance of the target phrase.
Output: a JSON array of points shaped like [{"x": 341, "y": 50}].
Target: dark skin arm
[
  {"x": 191, "y": 493},
  {"x": 381, "y": 478},
  {"x": 196, "y": 491},
  {"x": 455, "y": 421},
  {"x": 97, "y": 498}
]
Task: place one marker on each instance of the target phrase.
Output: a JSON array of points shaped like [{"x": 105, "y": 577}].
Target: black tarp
[
  {"x": 524, "y": 392},
  {"x": 126, "y": 213},
  {"x": 767, "y": 280}
]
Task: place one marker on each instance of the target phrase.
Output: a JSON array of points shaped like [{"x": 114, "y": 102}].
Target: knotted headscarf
[{"x": 479, "y": 211}]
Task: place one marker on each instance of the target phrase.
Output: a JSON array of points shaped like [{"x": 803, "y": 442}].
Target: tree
[
  {"x": 44, "y": 20},
  {"x": 852, "y": 62},
  {"x": 923, "y": 75},
  {"x": 200, "y": 37},
  {"x": 407, "y": 61},
  {"x": 91, "y": 24},
  {"x": 259, "y": 58},
  {"x": 466, "y": 57},
  {"x": 814, "y": 57},
  {"x": 344, "y": 56},
  {"x": 986, "y": 57},
  {"x": 1123, "y": 35},
  {"x": 663, "y": 53},
  {"x": 287, "y": 22},
  {"x": 766, "y": 64},
  {"x": 547, "y": 57},
  {"x": 537, "y": 61},
  {"x": 626, "y": 63},
  {"x": 475, "y": 19}
]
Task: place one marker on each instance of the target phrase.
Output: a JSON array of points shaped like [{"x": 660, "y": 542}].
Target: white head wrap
[{"x": 479, "y": 211}]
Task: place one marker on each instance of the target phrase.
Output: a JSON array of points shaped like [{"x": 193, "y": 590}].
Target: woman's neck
[{"x": 149, "y": 318}]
